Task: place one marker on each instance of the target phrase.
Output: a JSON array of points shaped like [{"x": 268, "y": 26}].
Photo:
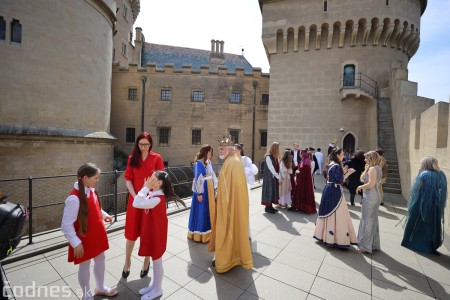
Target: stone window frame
[
  {"x": 262, "y": 138},
  {"x": 196, "y": 136},
  {"x": 346, "y": 63},
  {"x": 198, "y": 95},
  {"x": 124, "y": 48},
  {"x": 236, "y": 97},
  {"x": 130, "y": 131},
  {"x": 166, "y": 94},
  {"x": 2, "y": 29},
  {"x": 164, "y": 136},
  {"x": 235, "y": 133},
  {"x": 264, "y": 101},
  {"x": 16, "y": 31},
  {"x": 133, "y": 93}
]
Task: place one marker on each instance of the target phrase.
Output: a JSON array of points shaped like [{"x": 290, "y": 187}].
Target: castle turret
[{"x": 329, "y": 60}]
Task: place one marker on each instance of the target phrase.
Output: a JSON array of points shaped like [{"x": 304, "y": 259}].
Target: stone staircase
[{"x": 386, "y": 140}]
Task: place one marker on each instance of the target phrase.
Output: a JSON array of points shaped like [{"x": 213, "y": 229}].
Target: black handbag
[{"x": 12, "y": 220}]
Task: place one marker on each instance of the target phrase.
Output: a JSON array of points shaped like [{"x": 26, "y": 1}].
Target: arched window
[
  {"x": 16, "y": 31},
  {"x": 2, "y": 28},
  {"x": 349, "y": 143},
  {"x": 349, "y": 75}
]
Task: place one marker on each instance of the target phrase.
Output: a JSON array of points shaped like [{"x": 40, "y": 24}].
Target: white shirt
[
  {"x": 146, "y": 199},
  {"x": 319, "y": 156},
  {"x": 295, "y": 157},
  {"x": 271, "y": 167},
  {"x": 70, "y": 215}
]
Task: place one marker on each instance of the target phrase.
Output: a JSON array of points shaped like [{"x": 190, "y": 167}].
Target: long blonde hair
[
  {"x": 373, "y": 159},
  {"x": 274, "y": 150}
]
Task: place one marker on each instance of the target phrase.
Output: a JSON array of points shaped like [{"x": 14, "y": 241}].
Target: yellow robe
[{"x": 230, "y": 217}]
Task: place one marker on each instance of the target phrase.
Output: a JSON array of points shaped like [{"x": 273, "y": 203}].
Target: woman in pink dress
[
  {"x": 141, "y": 165},
  {"x": 285, "y": 173}
]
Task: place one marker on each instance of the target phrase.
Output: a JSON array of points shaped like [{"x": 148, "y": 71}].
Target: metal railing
[
  {"x": 359, "y": 80},
  {"x": 44, "y": 196}
]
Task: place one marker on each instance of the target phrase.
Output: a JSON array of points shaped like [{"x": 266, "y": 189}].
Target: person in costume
[
  {"x": 369, "y": 232},
  {"x": 229, "y": 233},
  {"x": 334, "y": 226},
  {"x": 203, "y": 186},
  {"x": 285, "y": 173},
  {"x": 271, "y": 178},
  {"x": 303, "y": 199},
  {"x": 141, "y": 164},
  {"x": 425, "y": 219},
  {"x": 83, "y": 227},
  {"x": 354, "y": 180},
  {"x": 151, "y": 199},
  {"x": 250, "y": 170}
]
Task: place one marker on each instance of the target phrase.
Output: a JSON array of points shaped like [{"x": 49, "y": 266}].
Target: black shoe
[
  {"x": 145, "y": 272},
  {"x": 352, "y": 204},
  {"x": 126, "y": 274},
  {"x": 382, "y": 204},
  {"x": 213, "y": 264},
  {"x": 273, "y": 209},
  {"x": 292, "y": 209}
]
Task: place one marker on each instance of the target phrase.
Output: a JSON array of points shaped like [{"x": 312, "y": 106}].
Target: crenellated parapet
[
  {"x": 374, "y": 31},
  {"x": 187, "y": 70}
]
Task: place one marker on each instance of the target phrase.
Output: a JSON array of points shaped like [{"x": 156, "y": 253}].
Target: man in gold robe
[{"x": 229, "y": 214}]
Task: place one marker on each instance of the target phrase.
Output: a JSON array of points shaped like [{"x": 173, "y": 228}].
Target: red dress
[
  {"x": 95, "y": 240},
  {"x": 133, "y": 220},
  {"x": 154, "y": 230},
  {"x": 303, "y": 199}
]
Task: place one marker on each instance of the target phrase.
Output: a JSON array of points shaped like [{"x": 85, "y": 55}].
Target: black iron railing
[
  {"x": 44, "y": 196},
  {"x": 361, "y": 81}
]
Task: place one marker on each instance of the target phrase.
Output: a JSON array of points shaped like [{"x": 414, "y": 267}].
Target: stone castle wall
[{"x": 216, "y": 115}]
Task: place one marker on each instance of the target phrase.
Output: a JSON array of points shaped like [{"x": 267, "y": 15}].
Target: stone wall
[{"x": 214, "y": 116}]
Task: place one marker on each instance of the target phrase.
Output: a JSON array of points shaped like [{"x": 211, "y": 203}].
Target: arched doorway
[{"x": 349, "y": 143}]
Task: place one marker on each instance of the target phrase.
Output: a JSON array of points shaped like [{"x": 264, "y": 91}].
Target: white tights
[
  {"x": 158, "y": 273},
  {"x": 84, "y": 275}
]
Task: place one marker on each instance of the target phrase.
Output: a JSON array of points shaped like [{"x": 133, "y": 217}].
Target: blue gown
[
  {"x": 199, "y": 227},
  {"x": 425, "y": 218}
]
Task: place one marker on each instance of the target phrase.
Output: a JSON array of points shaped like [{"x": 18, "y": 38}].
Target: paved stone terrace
[{"x": 288, "y": 264}]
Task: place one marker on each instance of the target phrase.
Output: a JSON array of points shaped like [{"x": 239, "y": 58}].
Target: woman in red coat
[
  {"x": 141, "y": 164},
  {"x": 303, "y": 199}
]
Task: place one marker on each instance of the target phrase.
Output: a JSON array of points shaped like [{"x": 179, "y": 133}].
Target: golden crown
[{"x": 225, "y": 140}]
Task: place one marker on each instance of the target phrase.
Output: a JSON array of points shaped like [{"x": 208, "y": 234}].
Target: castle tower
[
  {"x": 55, "y": 84},
  {"x": 330, "y": 63}
]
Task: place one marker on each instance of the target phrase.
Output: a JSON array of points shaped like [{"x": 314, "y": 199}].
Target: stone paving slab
[{"x": 288, "y": 264}]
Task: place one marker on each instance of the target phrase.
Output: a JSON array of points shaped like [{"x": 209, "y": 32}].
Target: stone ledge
[{"x": 30, "y": 130}]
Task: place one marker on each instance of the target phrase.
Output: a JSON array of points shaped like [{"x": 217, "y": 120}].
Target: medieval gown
[
  {"x": 334, "y": 226},
  {"x": 369, "y": 232},
  {"x": 303, "y": 199},
  {"x": 199, "y": 227},
  {"x": 424, "y": 226}
]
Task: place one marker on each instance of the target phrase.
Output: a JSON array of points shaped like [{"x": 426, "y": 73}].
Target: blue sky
[{"x": 195, "y": 23}]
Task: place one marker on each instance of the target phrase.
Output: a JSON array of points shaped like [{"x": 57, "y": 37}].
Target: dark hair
[
  {"x": 136, "y": 154},
  {"x": 334, "y": 154},
  {"x": 240, "y": 146},
  {"x": 167, "y": 187},
  {"x": 287, "y": 159},
  {"x": 318, "y": 149},
  {"x": 379, "y": 151},
  {"x": 89, "y": 170},
  {"x": 359, "y": 155},
  {"x": 203, "y": 153}
]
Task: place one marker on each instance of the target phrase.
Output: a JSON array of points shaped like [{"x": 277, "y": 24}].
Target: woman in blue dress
[
  {"x": 334, "y": 226},
  {"x": 425, "y": 218},
  {"x": 203, "y": 185}
]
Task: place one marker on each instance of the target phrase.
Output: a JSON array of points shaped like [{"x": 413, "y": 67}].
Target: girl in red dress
[
  {"x": 151, "y": 199},
  {"x": 83, "y": 227},
  {"x": 141, "y": 164}
]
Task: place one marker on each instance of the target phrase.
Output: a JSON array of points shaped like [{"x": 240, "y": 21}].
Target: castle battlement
[
  {"x": 364, "y": 31},
  {"x": 151, "y": 68}
]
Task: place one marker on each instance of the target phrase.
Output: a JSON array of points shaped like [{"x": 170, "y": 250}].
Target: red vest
[{"x": 95, "y": 240}]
